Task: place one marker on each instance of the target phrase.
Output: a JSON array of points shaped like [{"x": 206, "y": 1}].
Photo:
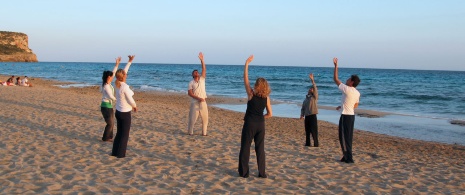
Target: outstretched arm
[
  {"x": 204, "y": 68},
  {"x": 336, "y": 79},
  {"x": 246, "y": 77},
  {"x": 118, "y": 60},
  {"x": 315, "y": 89},
  {"x": 126, "y": 68}
]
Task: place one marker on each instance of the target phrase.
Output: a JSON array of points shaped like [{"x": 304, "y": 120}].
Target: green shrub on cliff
[{"x": 9, "y": 49}]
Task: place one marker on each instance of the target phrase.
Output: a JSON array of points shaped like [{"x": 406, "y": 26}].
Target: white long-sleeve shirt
[
  {"x": 124, "y": 100},
  {"x": 108, "y": 90},
  {"x": 107, "y": 93}
]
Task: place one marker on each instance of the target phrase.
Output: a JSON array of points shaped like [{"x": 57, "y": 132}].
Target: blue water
[{"x": 422, "y": 102}]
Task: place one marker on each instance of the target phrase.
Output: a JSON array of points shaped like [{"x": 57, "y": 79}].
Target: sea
[{"x": 420, "y": 104}]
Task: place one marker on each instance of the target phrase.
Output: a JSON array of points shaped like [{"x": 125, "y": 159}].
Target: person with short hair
[
  {"x": 309, "y": 110},
  {"x": 254, "y": 123},
  {"x": 198, "y": 106},
  {"x": 25, "y": 82},
  {"x": 350, "y": 100}
]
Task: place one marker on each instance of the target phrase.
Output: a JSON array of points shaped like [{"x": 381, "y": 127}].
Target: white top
[
  {"x": 107, "y": 90},
  {"x": 124, "y": 100},
  {"x": 107, "y": 93},
  {"x": 24, "y": 82},
  {"x": 198, "y": 88},
  {"x": 350, "y": 96}
]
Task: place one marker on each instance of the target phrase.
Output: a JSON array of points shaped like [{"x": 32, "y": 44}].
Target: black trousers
[
  {"x": 311, "y": 128},
  {"x": 120, "y": 143},
  {"x": 346, "y": 133},
  {"x": 107, "y": 114},
  {"x": 256, "y": 131}
]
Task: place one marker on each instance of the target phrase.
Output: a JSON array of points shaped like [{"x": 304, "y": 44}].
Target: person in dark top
[
  {"x": 18, "y": 81},
  {"x": 254, "y": 123},
  {"x": 10, "y": 81}
]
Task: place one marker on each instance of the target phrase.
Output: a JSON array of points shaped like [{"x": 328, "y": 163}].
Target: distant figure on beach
[
  {"x": 124, "y": 105},
  {"x": 109, "y": 99},
  {"x": 350, "y": 100},
  {"x": 10, "y": 81},
  {"x": 25, "y": 82},
  {"x": 18, "y": 81},
  {"x": 254, "y": 123},
  {"x": 309, "y": 110},
  {"x": 198, "y": 106}
]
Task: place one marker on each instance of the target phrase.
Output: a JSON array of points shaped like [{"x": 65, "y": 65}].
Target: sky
[{"x": 394, "y": 34}]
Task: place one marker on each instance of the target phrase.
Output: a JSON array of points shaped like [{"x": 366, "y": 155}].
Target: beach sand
[{"x": 50, "y": 140}]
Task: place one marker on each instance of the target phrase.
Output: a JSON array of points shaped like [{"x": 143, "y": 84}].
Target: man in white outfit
[{"x": 198, "y": 94}]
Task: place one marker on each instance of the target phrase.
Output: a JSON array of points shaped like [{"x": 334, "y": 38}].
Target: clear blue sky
[{"x": 414, "y": 34}]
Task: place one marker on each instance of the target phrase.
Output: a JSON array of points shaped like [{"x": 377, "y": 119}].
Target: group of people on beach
[
  {"x": 19, "y": 82},
  {"x": 254, "y": 119}
]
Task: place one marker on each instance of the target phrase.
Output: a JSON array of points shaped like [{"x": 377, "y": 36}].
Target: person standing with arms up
[
  {"x": 124, "y": 105},
  {"x": 109, "y": 99},
  {"x": 309, "y": 110},
  {"x": 254, "y": 123},
  {"x": 197, "y": 92},
  {"x": 350, "y": 100}
]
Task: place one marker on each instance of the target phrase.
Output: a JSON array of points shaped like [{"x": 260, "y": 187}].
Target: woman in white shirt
[
  {"x": 124, "y": 105},
  {"x": 108, "y": 99}
]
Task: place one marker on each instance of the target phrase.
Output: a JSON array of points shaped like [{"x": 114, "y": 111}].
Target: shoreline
[
  {"x": 412, "y": 127},
  {"x": 51, "y": 143}
]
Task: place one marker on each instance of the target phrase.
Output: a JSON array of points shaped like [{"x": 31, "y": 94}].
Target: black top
[{"x": 255, "y": 108}]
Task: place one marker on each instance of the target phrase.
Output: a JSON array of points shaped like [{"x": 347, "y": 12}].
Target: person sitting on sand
[
  {"x": 10, "y": 81},
  {"x": 25, "y": 82},
  {"x": 350, "y": 100},
  {"x": 197, "y": 92},
  {"x": 18, "y": 81},
  {"x": 309, "y": 111},
  {"x": 254, "y": 123}
]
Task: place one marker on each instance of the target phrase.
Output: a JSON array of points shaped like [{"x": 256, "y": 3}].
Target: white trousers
[{"x": 198, "y": 108}]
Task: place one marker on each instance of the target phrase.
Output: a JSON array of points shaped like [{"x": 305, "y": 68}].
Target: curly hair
[{"x": 261, "y": 88}]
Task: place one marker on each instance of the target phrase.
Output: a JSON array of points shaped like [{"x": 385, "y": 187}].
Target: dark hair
[
  {"x": 105, "y": 75},
  {"x": 355, "y": 79},
  {"x": 194, "y": 71}
]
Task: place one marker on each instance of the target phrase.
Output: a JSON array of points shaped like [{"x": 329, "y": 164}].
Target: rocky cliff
[{"x": 14, "y": 47}]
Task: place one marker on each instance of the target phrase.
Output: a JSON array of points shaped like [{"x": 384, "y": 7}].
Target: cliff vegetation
[{"x": 14, "y": 47}]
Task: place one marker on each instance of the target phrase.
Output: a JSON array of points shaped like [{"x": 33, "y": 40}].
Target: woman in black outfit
[{"x": 254, "y": 123}]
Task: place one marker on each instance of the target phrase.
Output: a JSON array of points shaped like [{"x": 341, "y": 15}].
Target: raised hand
[
  {"x": 310, "y": 76},
  {"x": 250, "y": 59},
  {"x": 335, "y": 62},
  {"x": 131, "y": 57},
  {"x": 118, "y": 60},
  {"x": 201, "y": 56}
]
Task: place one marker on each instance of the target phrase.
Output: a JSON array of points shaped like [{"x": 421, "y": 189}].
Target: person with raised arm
[
  {"x": 309, "y": 110},
  {"x": 109, "y": 99},
  {"x": 197, "y": 92},
  {"x": 254, "y": 123},
  {"x": 350, "y": 100},
  {"x": 124, "y": 105}
]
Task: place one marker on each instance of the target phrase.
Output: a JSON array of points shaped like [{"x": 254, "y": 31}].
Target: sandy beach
[{"x": 50, "y": 140}]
